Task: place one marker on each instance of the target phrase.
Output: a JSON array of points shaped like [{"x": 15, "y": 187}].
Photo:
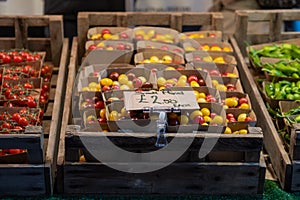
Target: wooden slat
[
  {"x": 54, "y": 80},
  {"x": 102, "y": 18},
  {"x": 294, "y": 149},
  {"x": 217, "y": 21},
  {"x": 192, "y": 19},
  {"x": 57, "y": 37},
  {"x": 67, "y": 102},
  {"x": 249, "y": 142},
  {"x": 22, "y": 180},
  {"x": 7, "y": 43},
  {"x": 7, "y": 21},
  {"x": 32, "y": 142},
  {"x": 241, "y": 30},
  {"x": 36, "y": 21},
  {"x": 275, "y": 18},
  {"x": 272, "y": 141},
  {"x": 149, "y": 18},
  {"x": 295, "y": 186},
  {"x": 190, "y": 179},
  {"x": 54, "y": 133}
]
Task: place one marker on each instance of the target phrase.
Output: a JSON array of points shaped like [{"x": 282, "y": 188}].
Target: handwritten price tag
[{"x": 160, "y": 99}]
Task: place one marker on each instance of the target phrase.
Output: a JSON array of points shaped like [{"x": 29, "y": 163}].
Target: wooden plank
[
  {"x": 102, "y": 19},
  {"x": 67, "y": 102},
  {"x": 7, "y": 43},
  {"x": 176, "y": 21},
  {"x": 36, "y": 21},
  {"x": 7, "y": 21},
  {"x": 190, "y": 179},
  {"x": 295, "y": 186},
  {"x": 32, "y": 142},
  {"x": 54, "y": 133},
  {"x": 195, "y": 18},
  {"x": 262, "y": 174},
  {"x": 54, "y": 80},
  {"x": 241, "y": 30},
  {"x": 82, "y": 30},
  {"x": 225, "y": 142},
  {"x": 57, "y": 37},
  {"x": 149, "y": 18},
  {"x": 294, "y": 147},
  {"x": 272, "y": 142},
  {"x": 275, "y": 19},
  {"x": 217, "y": 21},
  {"x": 26, "y": 180}
]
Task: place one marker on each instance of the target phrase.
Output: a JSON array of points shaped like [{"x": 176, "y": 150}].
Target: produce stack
[
  {"x": 145, "y": 88},
  {"x": 164, "y": 60},
  {"x": 25, "y": 90},
  {"x": 277, "y": 68}
]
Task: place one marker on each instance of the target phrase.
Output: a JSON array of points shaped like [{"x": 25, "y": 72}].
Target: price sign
[{"x": 160, "y": 99}]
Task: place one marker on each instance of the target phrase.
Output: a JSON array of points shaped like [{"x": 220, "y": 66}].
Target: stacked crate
[
  {"x": 283, "y": 154},
  {"x": 234, "y": 158},
  {"x": 32, "y": 172}
]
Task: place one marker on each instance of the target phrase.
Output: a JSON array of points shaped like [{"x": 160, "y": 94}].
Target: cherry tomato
[
  {"x": 30, "y": 58},
  {"x": 16, "y": 117},
  {"x": 17, "y": 59},
  {"x": 31, "y": 103},
  {"x": 5, "y": 85},
  {"x": 43, "y": 100},
  {"x": 23, "y": 121},
  {"x": 15, "y": 151},
  {"x": 24, "y": 54},
  {"x": 26, "y": 69},
  {"x": 6, "y": 59},
  {"x": 28, "y": 85},
  {"x": 6, "y": 125},
  {"x": 45, "y": 87},
  {"x": 45, "y": 69}
]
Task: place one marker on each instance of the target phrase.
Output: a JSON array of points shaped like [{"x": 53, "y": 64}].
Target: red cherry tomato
[
  {"x": 6, "y": 125},
  {"x": 31, "y": 103},
  {"x": 23, "y": 121}
]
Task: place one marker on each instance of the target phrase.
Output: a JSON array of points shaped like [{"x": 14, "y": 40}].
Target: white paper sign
[{"x": 160, "y": 100}]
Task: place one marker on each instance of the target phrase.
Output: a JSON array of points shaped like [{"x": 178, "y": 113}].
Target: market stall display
[
  {"x": 235, "y": 157},
  {"x": 273, "y": 57},
  {"x": 31, "y": 103}
]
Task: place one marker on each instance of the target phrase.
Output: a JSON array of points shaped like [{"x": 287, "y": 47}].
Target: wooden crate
[
  {"x": 234, "y": 159},
  {"x": 36, "y": 177},
  {"x": 283, "y": 160},
  {"x": 176, "y": 21},
  {"x": 273, "y": 20}
]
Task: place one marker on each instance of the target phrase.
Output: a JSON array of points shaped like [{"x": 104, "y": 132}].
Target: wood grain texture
[
  {"x": 67, "y": 102},
  {"x": 272, "y": 142},
  {"x": 54, "y": 132},
  {"x": 275, "y": 18},
  {"x": 190, "y": 179}
]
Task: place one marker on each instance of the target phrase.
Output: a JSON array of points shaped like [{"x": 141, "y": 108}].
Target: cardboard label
[{"x": 160, "y": 100}]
